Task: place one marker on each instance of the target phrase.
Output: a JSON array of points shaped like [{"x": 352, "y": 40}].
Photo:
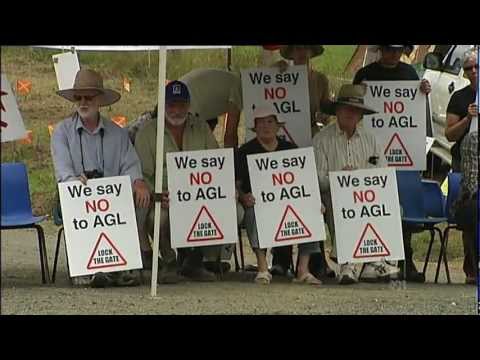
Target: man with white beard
[{"x": 182, "y": 133}]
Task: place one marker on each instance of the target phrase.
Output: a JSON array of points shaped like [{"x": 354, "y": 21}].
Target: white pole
[{"x": 162, "y": 74}]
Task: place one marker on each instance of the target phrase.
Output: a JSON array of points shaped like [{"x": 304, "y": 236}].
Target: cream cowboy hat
[
  {"x": 287, "y": 50},
  {"x": 263, "y": 112},
  {"x": 351, "y": 95},
  {"x": 90, "y": 80}
]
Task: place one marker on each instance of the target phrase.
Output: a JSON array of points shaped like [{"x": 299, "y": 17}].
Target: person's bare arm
[{"x": 456, "y": 126}]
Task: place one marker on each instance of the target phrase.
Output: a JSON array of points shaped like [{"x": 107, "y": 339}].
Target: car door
[{"x": 450, "y": 80}]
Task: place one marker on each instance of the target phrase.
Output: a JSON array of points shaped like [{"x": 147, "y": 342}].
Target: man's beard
[{"x": 175, "y": 120}]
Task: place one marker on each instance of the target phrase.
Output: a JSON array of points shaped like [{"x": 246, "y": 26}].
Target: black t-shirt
[
  {"x": 458, "y": 105},
  {"x": 249, "y": 148},
  {"x": 377, "y": 72}
]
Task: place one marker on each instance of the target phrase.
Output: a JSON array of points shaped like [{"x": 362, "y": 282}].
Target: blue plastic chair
[
  {"x": 434, "y": 203},
  {"x": 16, "y": 211},
  {"x": 454, "y": 179},
  {"x": 411, "y": 195}
]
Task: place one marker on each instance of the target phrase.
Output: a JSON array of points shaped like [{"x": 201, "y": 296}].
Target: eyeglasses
[
  {"x": 470, "y": 68},
  {"x": 86, "y": 97}
]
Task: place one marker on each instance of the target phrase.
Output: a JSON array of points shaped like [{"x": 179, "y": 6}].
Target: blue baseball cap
[{"x": 176, "y": 91}]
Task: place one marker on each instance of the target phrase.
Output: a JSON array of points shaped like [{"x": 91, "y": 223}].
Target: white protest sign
[
  {"x": 11, "y": 122},
  {"x": 430, "y": 141},
  {"x": 66, "y": 67},
  {"x": 202, "y": 206},
  {"x": 287, "y": 93},
  {"x": 366, "y": 212},
  {"x": 401, "y": 122},
  {"x": 287, "y": 197},
  {"x": 100, "y": 225}
]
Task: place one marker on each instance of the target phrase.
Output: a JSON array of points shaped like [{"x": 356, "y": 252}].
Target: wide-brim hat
[
  {"x": 263, "y": 112},
  {"x": 287, "y": 50},
  {"x": 90, "y": 80},
  {"x": 350, "y": 95}
]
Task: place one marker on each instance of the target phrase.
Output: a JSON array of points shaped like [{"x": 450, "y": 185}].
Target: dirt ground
[{"x": 23, "y": 293}]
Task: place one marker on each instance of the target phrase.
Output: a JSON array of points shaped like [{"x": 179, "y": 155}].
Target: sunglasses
[
  {"x": 470, "y": 68},
  {"x": 86, "y": 97}
]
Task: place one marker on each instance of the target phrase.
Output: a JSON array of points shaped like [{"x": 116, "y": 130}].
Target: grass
[{"x": 42, "y": 106}]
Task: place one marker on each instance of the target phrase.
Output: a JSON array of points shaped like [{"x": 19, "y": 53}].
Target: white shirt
[{"x": 333, "y": 151}]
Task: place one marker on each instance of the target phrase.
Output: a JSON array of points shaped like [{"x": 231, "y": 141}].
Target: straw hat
[
  {"x": 90, "y": 80},
  {"x": 351, "y": 95}
]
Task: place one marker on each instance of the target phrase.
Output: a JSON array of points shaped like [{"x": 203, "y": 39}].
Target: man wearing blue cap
[{"x": 182, "y": 133}]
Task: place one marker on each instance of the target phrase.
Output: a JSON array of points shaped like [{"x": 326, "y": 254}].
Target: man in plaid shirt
[{"x": 466, "y": 207}]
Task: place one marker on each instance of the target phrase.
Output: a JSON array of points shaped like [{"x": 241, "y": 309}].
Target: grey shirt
[{"x": 116, "y": 157}]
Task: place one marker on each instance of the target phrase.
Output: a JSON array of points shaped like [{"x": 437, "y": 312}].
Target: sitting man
[
  {"x": 182, "y": 133},
  {"x": 266, "y": 128},
  {"x": 213, "y": 92},
  {"x": 345, "y": 146},
  {"x": 466, "y": 207},
  {"x": 87, "y": 145},
  {"x": 389, "y": 67}
]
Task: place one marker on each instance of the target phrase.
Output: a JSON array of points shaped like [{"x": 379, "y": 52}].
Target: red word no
[
  {"x": 393, "y": 106},
  {"x": 102, "y": 205},
  {"x": 281, "y": 178},
  {"x": 275, "y": 93},
  {"x": 362, "y": 196},
  {"x": 203, "y": 178}
]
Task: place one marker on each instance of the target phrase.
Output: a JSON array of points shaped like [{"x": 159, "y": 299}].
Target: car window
[{"x": 453, "y": 62}]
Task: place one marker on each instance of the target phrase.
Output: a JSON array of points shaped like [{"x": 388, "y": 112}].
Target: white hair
[{"x": 470, "y": 55}]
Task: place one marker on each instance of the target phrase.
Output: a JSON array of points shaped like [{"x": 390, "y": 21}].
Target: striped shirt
[
  {"x": 469, "y": 164},
  {"x": 334, "y": 151}
]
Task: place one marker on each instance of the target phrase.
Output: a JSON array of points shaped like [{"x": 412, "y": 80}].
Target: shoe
[
  {"x": 81, "y": 280},
  {"x": 378, "y": 271},
  {"x": 347, "y": 275},
  {"x": 277, "y": 270},
  {"x": 263, "y": 278},
  {"x": 127, "y": 278},
  {"x": 168, "y": 274},
  {"x": 100, "y": 280},
  {"x": 199, "y": 274},
  {"x": 307, "y": 279},
  {"x": 214, "y": 267}
]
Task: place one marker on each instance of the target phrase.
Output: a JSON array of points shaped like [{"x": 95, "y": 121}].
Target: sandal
[
  {"x": 263, "y": 278},
  {"x": 307, "y": 279}
]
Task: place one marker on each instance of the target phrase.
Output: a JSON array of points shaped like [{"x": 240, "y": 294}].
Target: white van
[{"x": 443, "y": 68}]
